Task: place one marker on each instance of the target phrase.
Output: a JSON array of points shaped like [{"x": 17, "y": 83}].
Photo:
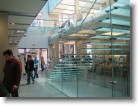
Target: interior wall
[{"x": 3, "y": 39}]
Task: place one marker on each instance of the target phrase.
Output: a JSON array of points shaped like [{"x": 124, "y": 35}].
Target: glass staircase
[{"x": 109, "y": 52}]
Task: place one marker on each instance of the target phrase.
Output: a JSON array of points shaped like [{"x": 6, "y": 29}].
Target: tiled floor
[{"x": 39, "y": 89}]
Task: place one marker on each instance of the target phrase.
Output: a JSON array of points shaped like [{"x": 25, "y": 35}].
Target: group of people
[
  {"x": 12, "y": 73},
  {"x": 32, "y": 65}
]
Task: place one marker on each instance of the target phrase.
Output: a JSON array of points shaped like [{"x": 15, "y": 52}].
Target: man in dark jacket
[
  {"x": 29, "y": 69},
  {"x": 12, "y": 73}
]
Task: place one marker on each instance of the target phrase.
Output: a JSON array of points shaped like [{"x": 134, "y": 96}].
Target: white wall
[
  {"x": 36, "y": 37},
  {"x": 33, "y": 42}
]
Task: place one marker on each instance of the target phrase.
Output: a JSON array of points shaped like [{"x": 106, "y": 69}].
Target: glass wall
[{"x": 92, "y": 57}]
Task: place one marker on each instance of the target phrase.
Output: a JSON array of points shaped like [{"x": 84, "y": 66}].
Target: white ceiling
[
  {"x": 68, "y": 6},
  {"x": 21, "y": 13}
]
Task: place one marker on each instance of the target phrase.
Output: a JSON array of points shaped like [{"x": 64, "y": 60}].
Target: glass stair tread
[
  {"x": 73, "y": 61},
  {"x": 67, "y": 64},
  {"x": 53, "y": 73},
  {"x": 60, "y": 71},
  {"x": 59, "y": 77},
  {"x": 119, "y": 8},
  {"x": 58, "y": 67},
  {"x": 119, "y": 30},
  {"x": 121, "y": 11},
  {"x": 62, "y": 74},
  {"x": 104, "y": 48},
  {"x": 117, "y": 21},
  {"x": 108, "y": 43},
  {"x": 79, "y": 62},
  {"x": 75, "y": 65},
  {"x": 99, "y": 54},
  {"x": 58, "y": 74},
  {"x": 71, "y": 67},
  {"x": 64, "y": 78},
  {"x": 65, "y": 74},
  {"x": 127, "y": 2},
  {"x": 122, "y": 6},
  {"x": 78, "y": 54},
  {"x": 115, "y": 18},
  {"x": 110, "y": 37}
]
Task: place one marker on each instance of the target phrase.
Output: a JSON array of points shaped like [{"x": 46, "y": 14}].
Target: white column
[{"x": 14, "y": 48}]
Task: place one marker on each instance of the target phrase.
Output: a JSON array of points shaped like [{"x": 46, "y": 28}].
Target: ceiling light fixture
[
  {"x": 20, "y": 31},
  {"x": 13, "y": 23}
]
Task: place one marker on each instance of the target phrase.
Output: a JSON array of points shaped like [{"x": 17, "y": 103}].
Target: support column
[
  {"x": 57, "y": 51},
  {"x": 14, "y": 48},
  {"x": 3, "y": 39},
  {"x": 78, "y": 45}
]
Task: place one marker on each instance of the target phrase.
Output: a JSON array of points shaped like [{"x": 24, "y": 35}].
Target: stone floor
[{"x": 39, "y": 89}]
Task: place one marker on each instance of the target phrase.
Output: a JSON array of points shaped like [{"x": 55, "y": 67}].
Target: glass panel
[
  {"x": 91, "y": 56},
  {"x": 121, "y": 62}
]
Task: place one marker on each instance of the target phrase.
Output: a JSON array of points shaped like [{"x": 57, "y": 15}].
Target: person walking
[
  {"x": 42, "y": 63},
  {"x": 29, "y": 69},
  {"x": 36, "y": 68},
  {"x": 12, "y": 73}
]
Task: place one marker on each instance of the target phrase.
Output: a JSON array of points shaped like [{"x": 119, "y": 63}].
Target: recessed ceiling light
[
  {"x": 13, "y": 23},
  {"x": 20, "y": 31},
  {"x": 15, "y": 42}
]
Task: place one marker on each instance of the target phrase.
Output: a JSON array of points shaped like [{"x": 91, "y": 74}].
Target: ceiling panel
[
  {"x": 15, "y": 35},
  {"x": 27, "y": 6},
  {"x": 65, "y": 7},
  {"x": 68, "y": 6},
  {"x": 62, "y": 11},
  {"x": 20, "y": 19},
  {"x": 21, "y": 14},
  {"x": 70, "y": 2},
  {"x": 18, "y": 26}
]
